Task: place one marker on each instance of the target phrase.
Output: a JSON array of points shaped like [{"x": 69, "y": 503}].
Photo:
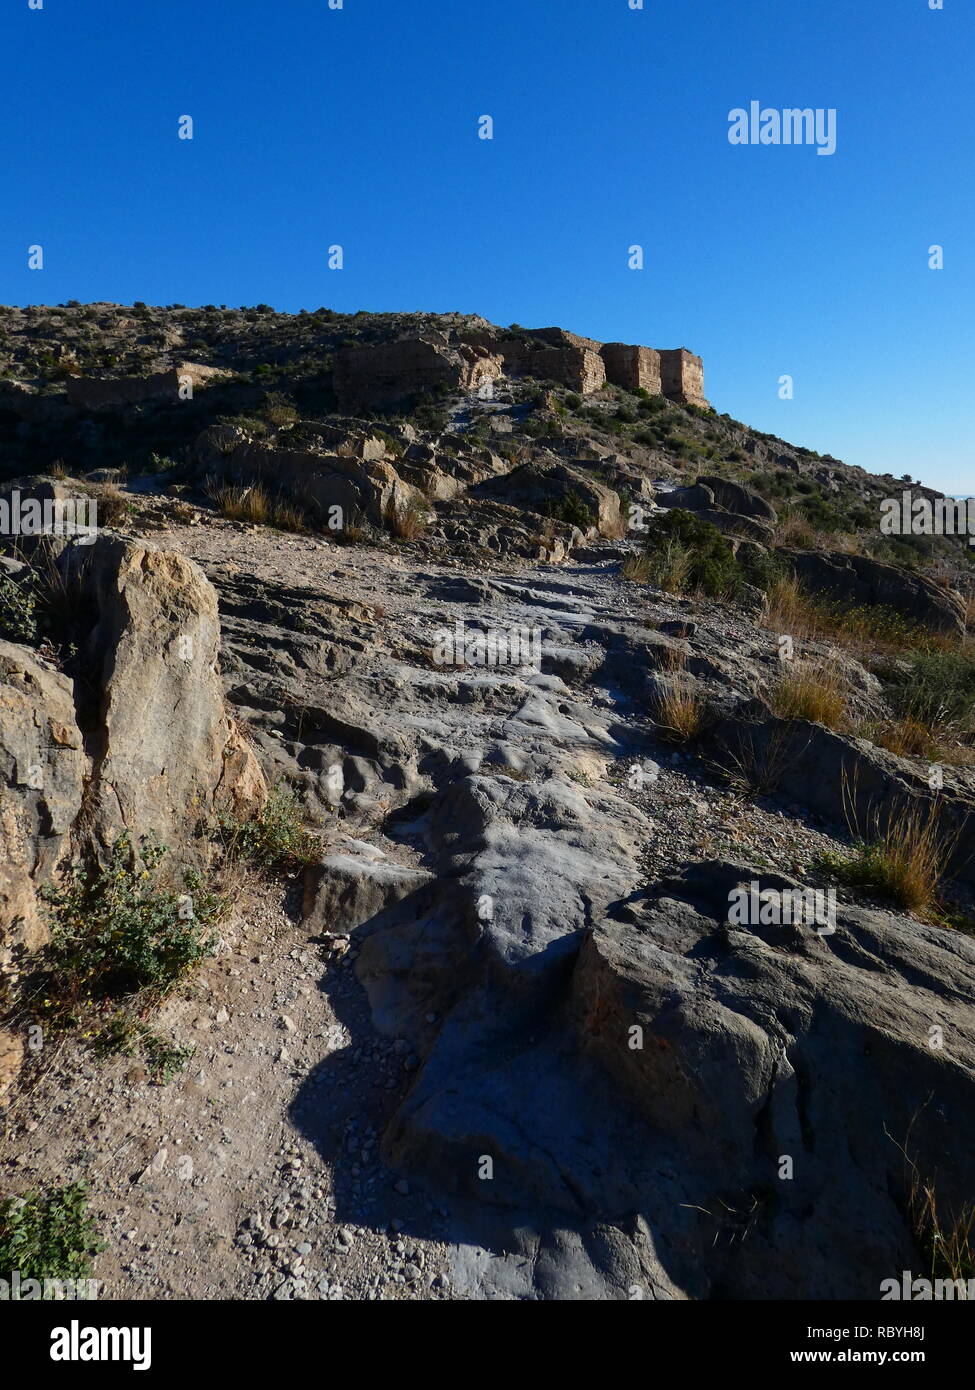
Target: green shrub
[
  {"x": 426, "y": 416},
  {"x": 937, "y": 689},
  {"x": 572, "y": 510},
  {"x": 535, "y": 428},
  {"x": 48, "y": 1236},
  {"x": 760, "y": 567},
  {"x": 706, "y": 559},
  {"x": 277, "y": 838},
  {"x": 393, "y": 446},
  {"x": 115, "y": 930},
  {"x": 160, "y": 463}
]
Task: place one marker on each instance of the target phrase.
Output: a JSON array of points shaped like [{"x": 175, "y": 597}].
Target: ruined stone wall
[
  {"x": 107, "y": 393},
  {"x": 93, "y": 393},
  {"x": 387, "y": 373},
  {"x": 568, "y": 359}
]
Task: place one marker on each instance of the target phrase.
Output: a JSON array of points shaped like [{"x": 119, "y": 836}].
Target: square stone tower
[{"x": 682, "y": 376}]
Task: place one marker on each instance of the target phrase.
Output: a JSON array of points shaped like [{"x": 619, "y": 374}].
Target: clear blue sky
[{"x": 359, "y": 127}]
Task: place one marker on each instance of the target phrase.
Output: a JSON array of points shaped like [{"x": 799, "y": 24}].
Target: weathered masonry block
[
  {"x": 109, "y": 393},
  {"x": 634, "y": 368}
]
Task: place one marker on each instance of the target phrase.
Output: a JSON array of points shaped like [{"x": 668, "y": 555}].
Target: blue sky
[{"x": 358, "y": 126}]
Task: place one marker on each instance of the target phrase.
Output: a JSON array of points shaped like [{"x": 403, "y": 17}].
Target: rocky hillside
[{"x": 557, "y": 878}]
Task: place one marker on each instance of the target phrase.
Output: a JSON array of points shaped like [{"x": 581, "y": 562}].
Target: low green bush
[
  {"x": 692, "y": 554},
  {"x": 936, "y": 688},
  {"x": 276, "y": 838},
  {"x": 572, "y": 510},
  {"x": 115, "y": 930},
  {"x": 20, "y": 615}
]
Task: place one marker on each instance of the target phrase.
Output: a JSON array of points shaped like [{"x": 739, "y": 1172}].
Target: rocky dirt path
[{"x": 215, "y": 1185}]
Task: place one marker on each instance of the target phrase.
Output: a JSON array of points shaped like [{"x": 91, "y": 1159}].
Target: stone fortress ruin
[{"x": 384, "y": 374}]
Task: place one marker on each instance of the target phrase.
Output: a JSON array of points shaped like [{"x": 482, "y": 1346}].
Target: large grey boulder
[
  {"x": 712, "y": 1095},
  {"x": 735, "y": 497},
  {"x": 360, "y": 487},
  {"x": 556, "y": 489},
  {"x": 861, "y": 581},
  {"x": 734, "y": 510},
  {"x": 762, "y": 1044}
]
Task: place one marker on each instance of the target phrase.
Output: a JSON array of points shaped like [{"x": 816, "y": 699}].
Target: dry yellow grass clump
[
  {"x": 680, "y": 712},
  {"x": 905, "y": 859},
  {"x": 865, "y": 630},
  {"x": 255, "y": 507},
  {"x": 814, "y": 692},
  {"x": 409, "y": 521}
]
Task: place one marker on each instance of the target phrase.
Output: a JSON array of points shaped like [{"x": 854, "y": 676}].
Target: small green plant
[
  {"x": 116, "y": 931},
  {"x": 130, "y": 1037},
  {"x": 160, "y": 463},
  {"x": 937, "y": 689},
  {"x": 277, "y": 838},
  {"x": 279, "y": 409},
  {"x": 20, "y": 620},
  {"x": 48, "y": 1235}
]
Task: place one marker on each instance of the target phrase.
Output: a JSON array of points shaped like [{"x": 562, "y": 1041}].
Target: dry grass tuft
[
  {"x": 908, "y": 738},
  {"x": 254, "y": 507},
  {"x": 904, "y": 858},
  {"x": 798, "y": 532},
  {"x": 814, "y": 692},
  {"x": 757, "y": 760},
  {"x": 680, "y": 712},
  {"x": 410, "y": 521},
  {"x": 637, "y": 568},
  {"x": 247, "y": 504},
  {"x": 112, "y": 508},
  {"x": 948, "y": 1240}
]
